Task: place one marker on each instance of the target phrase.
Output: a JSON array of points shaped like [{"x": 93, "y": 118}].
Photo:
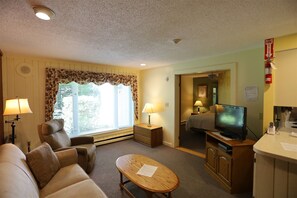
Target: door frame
[{"x": 232, "y": 67}]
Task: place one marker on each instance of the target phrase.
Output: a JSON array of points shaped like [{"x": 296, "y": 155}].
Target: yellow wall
[
  {"x": 248, "y": 70},
  {"x": 186, "y": 97},
  {"x": 280, "y": 44},
  {"x": 32, "y": 87},
  {"x": 156, "y": 86},
  {"x": 224, "y": 88},
  {"x": 285, "y": 43}
]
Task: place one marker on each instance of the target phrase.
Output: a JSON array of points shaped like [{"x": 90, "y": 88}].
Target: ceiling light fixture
[
  {"x": 43, "y": 13},
  {"x": 142, "y": 64}
]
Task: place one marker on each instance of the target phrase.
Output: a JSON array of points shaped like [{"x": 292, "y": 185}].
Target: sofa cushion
[
  {"x": 10, "y": 153},
  {"x": 15, "y": 182},
  {"x": 44, "y": 163},
  {"x": 66, "y": 176},
  {"x": 90, "y": 189},
  {"x": 67, "y": 157}
]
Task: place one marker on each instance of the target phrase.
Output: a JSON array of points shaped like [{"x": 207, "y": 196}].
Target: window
[{"x": 93, "y": 108}]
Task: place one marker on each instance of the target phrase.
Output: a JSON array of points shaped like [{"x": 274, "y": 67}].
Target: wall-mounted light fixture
[{"x": 43, "y": 13}]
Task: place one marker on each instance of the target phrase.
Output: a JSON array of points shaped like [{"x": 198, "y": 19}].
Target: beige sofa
[{"x": 18, "y": 181}]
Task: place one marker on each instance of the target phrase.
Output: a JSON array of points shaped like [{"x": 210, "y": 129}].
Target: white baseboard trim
[{"x": 167, "y": 144}]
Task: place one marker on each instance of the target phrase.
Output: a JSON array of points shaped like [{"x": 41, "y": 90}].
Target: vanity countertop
[{"x": 280, "y": 146}]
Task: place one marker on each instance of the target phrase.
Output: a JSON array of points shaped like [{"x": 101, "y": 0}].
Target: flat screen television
[{"x": 230, "y": 121}]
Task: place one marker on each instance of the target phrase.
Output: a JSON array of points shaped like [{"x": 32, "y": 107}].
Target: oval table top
[{"x": 163, "y": 180}]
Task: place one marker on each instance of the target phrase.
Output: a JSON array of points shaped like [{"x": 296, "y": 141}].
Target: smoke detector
[{"x": 176, "y": 41}]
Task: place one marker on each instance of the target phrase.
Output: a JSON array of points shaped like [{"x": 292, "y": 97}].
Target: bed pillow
[
  {"x": 44, "y": 163},
  {"x": 212, "y": 109}
]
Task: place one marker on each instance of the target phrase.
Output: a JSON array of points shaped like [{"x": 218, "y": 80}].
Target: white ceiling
[{"x": 130, "y": 32}]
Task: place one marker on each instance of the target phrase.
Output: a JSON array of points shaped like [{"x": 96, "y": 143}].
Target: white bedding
[{"x": 201, "y": 121}]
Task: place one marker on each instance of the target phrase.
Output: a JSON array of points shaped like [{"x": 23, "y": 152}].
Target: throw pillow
[{"x": 44, "y": 163}]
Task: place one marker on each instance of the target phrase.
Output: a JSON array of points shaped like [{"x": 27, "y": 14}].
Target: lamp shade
[
  {"x": 17, "y": 106},
  {"x": 198, "y": 103},
  {"x": 148, "y": 108}
]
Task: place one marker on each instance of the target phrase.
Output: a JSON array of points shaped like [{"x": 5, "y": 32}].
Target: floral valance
[{"x": 55, "y": 76}]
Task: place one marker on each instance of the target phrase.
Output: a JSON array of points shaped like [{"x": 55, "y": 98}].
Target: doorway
[
  {"x": 198, "y": 92},
  {"x": 226, "y": 94}
]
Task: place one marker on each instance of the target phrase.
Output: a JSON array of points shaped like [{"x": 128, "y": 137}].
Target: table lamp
[
  {"x": 16, "y": 107},
  {"x": 198, "y": 104},
  {"x": 148, "y": 108}
]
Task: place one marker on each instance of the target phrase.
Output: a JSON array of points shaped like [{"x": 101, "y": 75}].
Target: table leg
[
  {"x": 148, "y": 194},
  {"x": 169, "y": 195},
  {"x": 166, "y": 195},
  {"x": 123, "y": 187},
  {"x": 121, "y": 181}
]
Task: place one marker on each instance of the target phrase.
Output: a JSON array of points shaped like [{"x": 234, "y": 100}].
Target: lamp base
[
  {"x": 12, "y": 133},
  {"x": 12, "y": 128},
  {"x": 149, "y": 120}
]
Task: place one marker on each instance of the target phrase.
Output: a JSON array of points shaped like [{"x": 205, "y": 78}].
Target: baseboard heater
[{"x": 102, "y": 141}]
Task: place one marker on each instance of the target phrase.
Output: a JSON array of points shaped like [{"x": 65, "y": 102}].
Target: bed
[{"x": 201, "y": 122}]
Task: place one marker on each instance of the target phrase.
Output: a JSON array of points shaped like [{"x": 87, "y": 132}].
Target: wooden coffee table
[{"x": 163, "y": 181}]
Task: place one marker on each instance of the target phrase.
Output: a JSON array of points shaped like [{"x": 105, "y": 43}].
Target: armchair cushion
[
  {"x": 54, "y": 134},
  {"x": 44, "y": 163}
]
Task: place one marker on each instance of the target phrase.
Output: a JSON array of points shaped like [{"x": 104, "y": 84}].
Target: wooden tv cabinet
[{"x": 230, "y": 162}]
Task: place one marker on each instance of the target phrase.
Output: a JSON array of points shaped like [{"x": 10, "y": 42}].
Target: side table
[{"x": 151, "y": 136}]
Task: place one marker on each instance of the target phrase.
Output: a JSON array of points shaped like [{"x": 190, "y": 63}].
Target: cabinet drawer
[
  {"x": 142, "y": 131},
  {"x": 143, "y": 139}
]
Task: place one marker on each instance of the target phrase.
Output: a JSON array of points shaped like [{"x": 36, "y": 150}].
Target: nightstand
[{"x": 150, "y": 136}]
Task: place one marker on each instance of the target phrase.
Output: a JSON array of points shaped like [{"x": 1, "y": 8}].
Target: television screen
[{"x": 230, "y": 120}]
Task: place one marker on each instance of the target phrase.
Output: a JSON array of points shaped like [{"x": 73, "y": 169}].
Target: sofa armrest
[
  {"x": 82, "y": 140},
  {"x": 67, "y": 157}
]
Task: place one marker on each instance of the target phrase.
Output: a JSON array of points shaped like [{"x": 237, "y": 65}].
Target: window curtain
[{"x": 55, "y": 76}]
